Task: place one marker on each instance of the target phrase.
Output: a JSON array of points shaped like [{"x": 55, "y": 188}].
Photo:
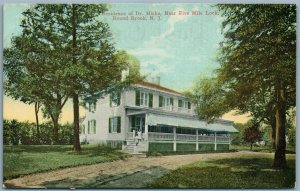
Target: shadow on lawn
[{"x": 237, "y": 173}]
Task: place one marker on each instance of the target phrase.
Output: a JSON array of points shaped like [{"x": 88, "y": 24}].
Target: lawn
[
  {"x": 289, "y": 149},
  {"x": 27, "y": 159},
  {"x": 249, "y": 171}
]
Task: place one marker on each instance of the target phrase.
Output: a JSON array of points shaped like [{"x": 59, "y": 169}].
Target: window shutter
[
  {"x": 189, "y": 105},
  {"x": 109, "y": 125},
  {"x": 133, "y": 122},
  {"x": 119, "y": 125},
  {"x": 119, "y": 98},
  {"x": 89, "y": 127},
  {"x": 171, "y": 101},
  {"x": 94, "y": 126},
  {"x": 150, "y": 100},
  {"x": 137, "y": 98},
  {"x": 95, "y": 103},
  {"x": 160, "y": 101}
]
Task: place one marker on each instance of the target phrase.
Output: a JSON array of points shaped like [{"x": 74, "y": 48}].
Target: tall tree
[
  {"x": 259, "y": 56},
  {"x": 79, "y": 39},
  {"x": 32, "y": 74},
  {"x": 258, "y": 65},
  {"x": 20, "y": 84}
]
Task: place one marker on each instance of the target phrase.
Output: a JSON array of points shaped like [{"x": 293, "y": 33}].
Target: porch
[{"x": 175, "y": 133}]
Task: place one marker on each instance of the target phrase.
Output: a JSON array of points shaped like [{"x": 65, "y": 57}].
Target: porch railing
[
  {"x": 155, "y": 136},
  {"x": 186, "y": 137},
  {"x": 160, "y": 136},
  {"x": 176, "y": 109}
]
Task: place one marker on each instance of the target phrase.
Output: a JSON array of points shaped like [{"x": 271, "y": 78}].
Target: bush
[{"x": 25, "y": 133}]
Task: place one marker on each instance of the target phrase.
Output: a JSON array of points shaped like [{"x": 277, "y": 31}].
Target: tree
[
  {"x": 257, "y": 71},
  {"x": 74, "y": 35},
  {"x": 32, "y": 74},
  {"x": 251, "y": 135},
  {"x": 237, "y": 138},
  {"x": 18, "y": 83},
  {"x": 258, "y": 56},
  {"x": 209, "y": 97}
]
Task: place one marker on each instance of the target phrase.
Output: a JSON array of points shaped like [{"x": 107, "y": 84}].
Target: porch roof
[{"x": 157, "y": 119}]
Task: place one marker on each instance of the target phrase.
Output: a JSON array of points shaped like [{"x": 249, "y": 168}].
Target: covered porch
[{"x": 180, "y": 133}]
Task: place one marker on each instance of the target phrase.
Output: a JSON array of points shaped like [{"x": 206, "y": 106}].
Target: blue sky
[{"x": 176, "y": 48}]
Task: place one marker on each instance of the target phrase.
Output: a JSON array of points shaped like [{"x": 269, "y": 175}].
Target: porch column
[
  {"x": 197, "y": 134},
  {"x": 146, "y": 132},
  {"x": 215, "y": 141},
  {"x": 174, "y": 139}
]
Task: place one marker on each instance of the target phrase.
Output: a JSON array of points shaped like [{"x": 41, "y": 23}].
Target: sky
[{"x": 176, "y": 47}]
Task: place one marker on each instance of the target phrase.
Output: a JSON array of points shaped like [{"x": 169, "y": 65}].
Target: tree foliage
[
  {"x": 257, "y": 71},
  {"x": 69, "y": 52},
  {"x": 252, "y": 134}
]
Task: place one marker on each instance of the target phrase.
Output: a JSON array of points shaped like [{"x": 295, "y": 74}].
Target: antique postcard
[{"x": 157, "y": 95}]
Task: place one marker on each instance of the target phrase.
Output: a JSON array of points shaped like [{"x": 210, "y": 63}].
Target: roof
[
  {"x": 157, "y": 119},
  {"x": 158, "y": 87}
]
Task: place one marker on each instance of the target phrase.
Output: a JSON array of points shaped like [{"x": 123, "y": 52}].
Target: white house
[{"x": 164, "y": 118}]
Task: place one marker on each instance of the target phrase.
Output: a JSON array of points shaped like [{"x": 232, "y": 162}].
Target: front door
[{"x": 138, "y": 123}]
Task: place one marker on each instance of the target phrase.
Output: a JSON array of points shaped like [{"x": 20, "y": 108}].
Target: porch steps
[{"x": 132, "y": 148}]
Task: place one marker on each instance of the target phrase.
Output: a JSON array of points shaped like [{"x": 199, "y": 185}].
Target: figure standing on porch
[{"x": 139, "y": 137}]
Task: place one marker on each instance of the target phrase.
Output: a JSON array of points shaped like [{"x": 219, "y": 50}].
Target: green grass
[
  {"x": 268, "y": 149},
  {"x": 248, "y": 171},
  {"x": 27, "y": 159}
]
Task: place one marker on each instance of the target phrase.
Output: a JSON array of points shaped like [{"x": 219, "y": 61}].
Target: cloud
[{"x": 154, "y": 52}]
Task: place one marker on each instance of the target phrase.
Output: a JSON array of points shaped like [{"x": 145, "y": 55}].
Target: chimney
[
  {"x": 156, "y": 80},
  {"x": 125, "y": 74}
]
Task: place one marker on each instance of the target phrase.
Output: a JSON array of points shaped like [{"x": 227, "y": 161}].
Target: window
[
  {"x": 114, "y": 125},
  {"x": 165, "y": 101},
  {"x": 92, "y": 107},
  {"x": 143, "y": 99},
  {"x": 184, "y": 104},
  {"x": 92, "y": 127},
  {"x": 115, "y": 99}
]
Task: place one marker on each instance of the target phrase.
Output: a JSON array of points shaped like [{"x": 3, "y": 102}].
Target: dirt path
[{"x": 134, "y": 172}]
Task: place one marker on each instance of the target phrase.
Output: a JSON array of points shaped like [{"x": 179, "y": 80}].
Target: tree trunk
[
  {"x": 273, "y": 125},
  {"x": 251, "y": 144},
  {"x": 76, "y": 143},
  {"x": 36, "y": 111},
  {"x": 279, "y": 159},
  {"x": 55, "y": 129}
]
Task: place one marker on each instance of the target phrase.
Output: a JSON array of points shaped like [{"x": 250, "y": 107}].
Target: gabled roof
[{"x": 158, "y": 87}]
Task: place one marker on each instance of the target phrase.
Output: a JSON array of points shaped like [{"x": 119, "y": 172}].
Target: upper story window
[
  {"x": 165, "y": 101},
  {"x": 92, "y": 107},
  {"x": 114, "y": 125},
  {"x": 115, "y": 99},
  {"x": 184, "y": 104},
  {"x": 92, "y": 126},
  {"x": 143, "y": 98}
]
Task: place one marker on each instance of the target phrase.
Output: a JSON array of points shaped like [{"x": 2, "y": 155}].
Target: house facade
[{"x": 149, "y": 117}]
